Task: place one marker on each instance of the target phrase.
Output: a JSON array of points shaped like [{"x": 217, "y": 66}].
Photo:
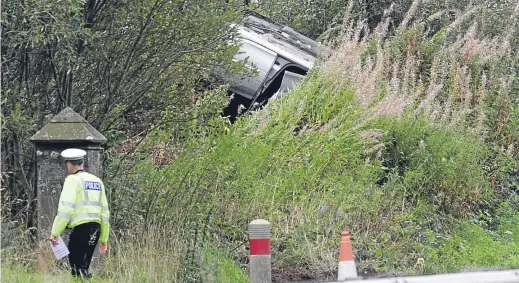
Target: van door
[{"x": 261, "y": 58}]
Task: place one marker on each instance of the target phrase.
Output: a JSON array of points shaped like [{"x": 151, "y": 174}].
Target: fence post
[{"x": 259, "y": 240}]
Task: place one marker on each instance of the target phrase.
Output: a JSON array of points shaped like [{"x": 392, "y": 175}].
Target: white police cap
[{"x": 73, "y": 154}]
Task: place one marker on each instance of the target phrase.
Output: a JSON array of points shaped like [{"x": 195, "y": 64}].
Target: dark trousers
[{"x": 82, "y": 242}]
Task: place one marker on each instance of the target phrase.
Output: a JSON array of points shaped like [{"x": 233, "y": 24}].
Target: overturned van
[{"x": 280, "y": 55}]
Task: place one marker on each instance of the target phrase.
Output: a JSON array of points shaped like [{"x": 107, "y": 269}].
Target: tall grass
[
  {"x": 157, "y": 255},
  {"x": 449, "y": 77}
]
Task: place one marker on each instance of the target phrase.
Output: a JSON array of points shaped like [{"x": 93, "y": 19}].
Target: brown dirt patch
[
  {"x": 299, "y": 274},
  {"x": 294, "y": 274},
  {"x": 282, "y": 275}
]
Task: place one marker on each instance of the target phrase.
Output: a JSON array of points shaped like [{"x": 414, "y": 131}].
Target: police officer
[{"x": 83, "y": 207}]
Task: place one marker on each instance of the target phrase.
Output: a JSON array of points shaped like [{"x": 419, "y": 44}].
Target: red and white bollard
[{"x": 259, "y": 240}]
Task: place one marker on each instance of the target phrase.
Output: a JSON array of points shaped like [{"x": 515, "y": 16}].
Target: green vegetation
[{"x": 407, "y": 139}]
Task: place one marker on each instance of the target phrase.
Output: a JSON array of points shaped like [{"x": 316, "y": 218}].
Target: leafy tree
[{"x": 121, "y": 64}]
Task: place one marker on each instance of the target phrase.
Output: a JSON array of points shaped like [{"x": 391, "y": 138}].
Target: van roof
[{"x": 281, "y": 39}]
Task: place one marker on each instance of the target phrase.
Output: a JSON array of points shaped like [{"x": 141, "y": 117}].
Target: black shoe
[{"x": 82, "y": 274}]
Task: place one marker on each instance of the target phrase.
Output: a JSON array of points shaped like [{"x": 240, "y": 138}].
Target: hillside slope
[{"x": 408, "y": 141}]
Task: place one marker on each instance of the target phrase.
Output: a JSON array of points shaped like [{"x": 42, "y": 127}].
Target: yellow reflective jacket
[{"x": 82, "y": 200}]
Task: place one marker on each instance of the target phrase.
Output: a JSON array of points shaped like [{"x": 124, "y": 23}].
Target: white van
[{"x": 281, "y": 55}]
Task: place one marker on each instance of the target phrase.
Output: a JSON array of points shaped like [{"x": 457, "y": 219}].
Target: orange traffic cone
[{"x": 347, "y": 268}]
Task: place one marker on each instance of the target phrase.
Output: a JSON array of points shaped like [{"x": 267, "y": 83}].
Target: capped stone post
[
  {"x": 65, "y": 130},
  {"x": 260, "y": 260}
]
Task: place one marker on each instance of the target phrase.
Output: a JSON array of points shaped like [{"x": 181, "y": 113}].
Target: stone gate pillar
[{"x": 67, "y": 129}]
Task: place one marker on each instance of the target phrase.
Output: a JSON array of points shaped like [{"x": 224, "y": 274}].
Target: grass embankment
[{"x": 409, "y": 142}]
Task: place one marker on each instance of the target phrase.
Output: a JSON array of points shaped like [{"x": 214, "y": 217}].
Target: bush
[
  {"x": 439, "y": 166},
  {"x": 471, "y": 246}
]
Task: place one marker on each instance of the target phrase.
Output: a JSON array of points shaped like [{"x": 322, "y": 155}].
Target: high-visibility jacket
[{"x": 82, "y": 200}]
